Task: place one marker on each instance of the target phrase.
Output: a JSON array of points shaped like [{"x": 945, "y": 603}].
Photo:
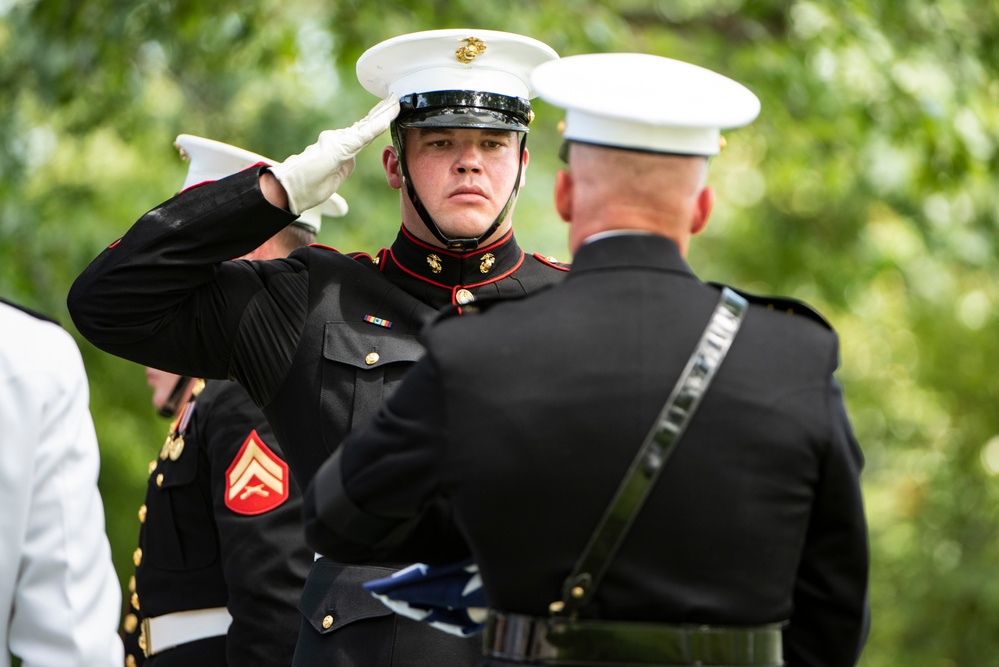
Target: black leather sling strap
[
  {"x": 561, "y": 638},
  {"x": 652, "y": 456}
]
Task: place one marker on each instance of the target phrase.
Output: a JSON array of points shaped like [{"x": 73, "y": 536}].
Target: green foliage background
[{"x": 867, "y": 187}]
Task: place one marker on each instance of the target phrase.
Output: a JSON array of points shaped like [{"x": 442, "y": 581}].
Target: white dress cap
[
  {"x": 455, "y": 59},
  {"x": 644, "y": 102},
  {"x": 211, "y": 160}
]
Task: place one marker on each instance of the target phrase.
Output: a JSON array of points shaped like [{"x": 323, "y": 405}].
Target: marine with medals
[{"x": 319, "y": 339}]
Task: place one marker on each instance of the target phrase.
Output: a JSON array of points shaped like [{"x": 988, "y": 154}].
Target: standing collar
[
  {"x": 448, "y": 268},
  {"x": 629, "y": 250},
  {"x": 615, "y": 232}
]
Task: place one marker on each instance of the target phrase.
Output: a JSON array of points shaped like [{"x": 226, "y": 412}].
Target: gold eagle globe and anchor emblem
[
  {"x": 488, "y": 260},
  {"x": 472, "y": 49},
  {"x": 435, "y": 263}
]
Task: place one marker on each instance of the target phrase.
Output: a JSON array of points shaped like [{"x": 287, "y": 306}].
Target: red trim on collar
[
  {"x": 453, "y": 288},
  {"x": 389, "y": 253},
  {"x": 500, "y": 276},
  {"x": 450, "y": 253}
]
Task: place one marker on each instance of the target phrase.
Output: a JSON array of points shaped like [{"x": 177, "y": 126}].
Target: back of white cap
[
  {"x": 211, "y": 160},
  {"x": 644, "y": 102}
]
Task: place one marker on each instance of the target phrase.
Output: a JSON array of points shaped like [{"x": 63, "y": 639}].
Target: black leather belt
[{"x": 554, "y": 641}]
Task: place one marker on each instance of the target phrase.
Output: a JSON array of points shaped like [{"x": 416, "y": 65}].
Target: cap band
[
  {"x": 621, "y": 133},
  {"x": 465, "y": 108}
]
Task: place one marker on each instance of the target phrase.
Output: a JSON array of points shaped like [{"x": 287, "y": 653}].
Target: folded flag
[{"x": 448, "y": 597}]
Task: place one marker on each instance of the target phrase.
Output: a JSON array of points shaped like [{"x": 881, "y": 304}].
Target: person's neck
[{"x": 582, "y": 233}]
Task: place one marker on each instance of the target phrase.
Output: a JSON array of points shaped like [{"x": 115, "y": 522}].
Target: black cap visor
[{"x": 465, "y": 109}]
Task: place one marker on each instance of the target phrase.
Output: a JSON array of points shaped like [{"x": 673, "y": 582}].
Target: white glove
[{"x": 312, "y": 176}]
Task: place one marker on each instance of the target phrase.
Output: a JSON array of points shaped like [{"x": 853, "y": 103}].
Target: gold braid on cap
[{"x": 473, "y": 48}]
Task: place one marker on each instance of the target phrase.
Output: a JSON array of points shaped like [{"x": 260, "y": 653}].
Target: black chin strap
[
  {"x": 169, "y": 407},
  {"x": 461, "y": 245}
]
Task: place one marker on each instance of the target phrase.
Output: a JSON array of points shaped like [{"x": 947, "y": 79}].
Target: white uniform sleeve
[{"x": 59, "y": 596}]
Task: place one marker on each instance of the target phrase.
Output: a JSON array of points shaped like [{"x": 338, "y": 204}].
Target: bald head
[{"x": 612, "y": 189}]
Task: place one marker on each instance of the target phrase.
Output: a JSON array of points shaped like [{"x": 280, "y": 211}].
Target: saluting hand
[{"x": 312, "y": 176}]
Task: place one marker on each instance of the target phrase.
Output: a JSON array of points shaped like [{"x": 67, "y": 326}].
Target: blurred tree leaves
[{"x": 867, "y": 187}]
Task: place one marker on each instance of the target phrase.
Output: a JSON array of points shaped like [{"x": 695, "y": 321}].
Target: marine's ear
[
  {"x": 563, "y": 194},
  {"x": 702, "y": 210}
]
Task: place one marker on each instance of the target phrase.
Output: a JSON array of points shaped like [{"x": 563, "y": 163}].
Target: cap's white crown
[
  {"x": 211, "y": 160},
  {"x": 423, "y": 62},
  {"x": 644, "y": 102}
]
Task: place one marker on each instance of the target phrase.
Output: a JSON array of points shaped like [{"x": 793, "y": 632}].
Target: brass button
[
  {"x": 131, "y": 584},
  {"x": 159, "y": 479},
  {"x": 372, "y": 358},
  {"x": 199, "y": 386},
  {"x": 142, "y": 513},
  {"x": 578, "y": 592},
  {"x": 464, "y": 297},
  {"x": 135, "y": 601},
  {"x": 152, "y": 466},
  {"x": 327, "y": 622},
  {"x": 131, "y": 623},
  {"x": 137, "y": 557},
  {"x": 130, "y": 661},
  {"x": 142, "y": 639}
]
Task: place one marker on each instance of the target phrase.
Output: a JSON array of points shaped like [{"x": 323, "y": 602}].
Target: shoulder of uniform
[
  {"x": 367, "y": 259},
  {"x": 359, "y": 256},
  {"x": 328, "y": 248},
  {"x": 548, "y": 260},
  {"x": 780, "y": 304},
  {"x": 32, "y": 313}
]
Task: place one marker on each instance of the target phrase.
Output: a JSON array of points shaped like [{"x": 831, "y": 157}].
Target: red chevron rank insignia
[{"x": 257, "y": 480}]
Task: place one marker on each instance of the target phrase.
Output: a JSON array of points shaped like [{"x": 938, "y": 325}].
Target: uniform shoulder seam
[
  {"x": 33, "y": 313},
  {"x": 781, "y": 304},
  {"x": 549, "y": 260}
]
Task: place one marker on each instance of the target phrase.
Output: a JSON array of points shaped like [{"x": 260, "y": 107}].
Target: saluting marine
[
  {"x": 687, "y": 481},
  {"x": 319, "y": 339},
  {"x": 221, "y": 559}
]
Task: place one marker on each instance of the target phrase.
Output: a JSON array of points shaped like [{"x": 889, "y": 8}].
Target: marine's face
[
  {"x": 463, "y": 176},
  {"x": 162, "y": 384}
]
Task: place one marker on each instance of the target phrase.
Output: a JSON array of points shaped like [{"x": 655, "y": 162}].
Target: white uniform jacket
[{"x": 59, "y": 596}]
